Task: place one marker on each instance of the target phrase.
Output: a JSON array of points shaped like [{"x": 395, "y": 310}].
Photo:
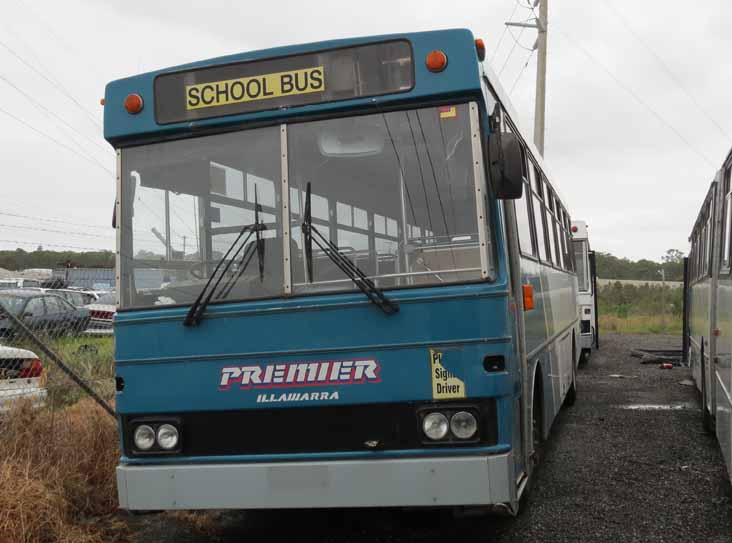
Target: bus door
[{"x": 593, "y": 282}]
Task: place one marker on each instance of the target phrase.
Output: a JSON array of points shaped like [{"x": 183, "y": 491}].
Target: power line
[
  {"x": 523, "y": 69},
  {"x": 515, "y": 43},
  {"x": 503, "y": 34},
  {"x": 635, "y": 96},
  {"x": 47, "y": 219},
  {"x": 57, "y": 142},
  {"x": 666, "y": 68},
  {"x": 38, "y": 229},
  {"x": 43, "y": 243},
  {"x": 47, "y": 111},
  {"x": 56, "y": 84},
  {"x": 55, "y": 36},
  {"x": 522, "y": 46}
]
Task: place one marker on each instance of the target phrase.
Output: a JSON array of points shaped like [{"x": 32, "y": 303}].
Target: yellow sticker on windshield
[
  {"x": 445, "y": 386},
  {"x": 258, "y": 87},
  {"x": 447, "y": 112}
]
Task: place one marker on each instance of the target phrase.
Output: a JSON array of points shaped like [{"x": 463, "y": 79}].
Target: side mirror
[{"x": 505, "y": 165}]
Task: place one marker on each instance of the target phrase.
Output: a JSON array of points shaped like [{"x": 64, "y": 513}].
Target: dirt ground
[{"x": 611, "y": 473}]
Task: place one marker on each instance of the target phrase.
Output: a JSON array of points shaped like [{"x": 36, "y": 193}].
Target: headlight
[
  {"x": 435, "y": 426},
  {"x": 144, "y": 437},
  {"x": 167, "y": 437},
  {"x": 463, "y": 425}
]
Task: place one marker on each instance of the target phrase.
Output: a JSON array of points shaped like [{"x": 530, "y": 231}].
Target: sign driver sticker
[{"x": 445, "y": 385}]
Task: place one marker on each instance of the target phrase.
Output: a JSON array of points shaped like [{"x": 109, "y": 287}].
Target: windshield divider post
[
  {"x": 118, "y": 221},
  {"x": 286, "y": 231},
  {"x": 480, "y": 188}
]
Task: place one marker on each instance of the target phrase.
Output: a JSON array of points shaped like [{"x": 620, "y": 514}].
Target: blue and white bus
[
  {"x": 584, "y": 265},
  {"x": 345, "y": 280},
  {"x": 709, "y": 301}
]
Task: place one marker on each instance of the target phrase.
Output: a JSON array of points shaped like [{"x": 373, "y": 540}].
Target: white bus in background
[{"x": 584, "y": 259}]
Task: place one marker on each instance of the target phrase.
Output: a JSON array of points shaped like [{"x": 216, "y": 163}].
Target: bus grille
[{"x": 341, "y": 428}]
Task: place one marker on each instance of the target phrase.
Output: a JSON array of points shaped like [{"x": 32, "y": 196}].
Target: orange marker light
[
  {"x": 436, "y": 61},
  {"x": 574, "y": 229},
  {"x": 133, "y": 103},
  {"x": 528, "y": 297},
  {"x": 101, "y": 102},
  {"x": 480, "y": 49}
]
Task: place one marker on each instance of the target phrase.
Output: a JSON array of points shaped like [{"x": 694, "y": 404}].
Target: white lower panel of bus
[{"x": 475, "y": 480}]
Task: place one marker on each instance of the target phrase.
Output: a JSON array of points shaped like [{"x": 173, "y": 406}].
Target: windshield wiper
[
  {"x": 365, "y": 285},
  {"x": 195, "y": 313}
]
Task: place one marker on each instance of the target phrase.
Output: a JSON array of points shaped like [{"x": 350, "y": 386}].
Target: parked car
[
  {"x": 41, "y": 312},
  {"x": 20, "y": 377},
  {"x": 77, "y": 298},
  {"x": 19, "y": 283},
  {"x": 102, "y": 313}
]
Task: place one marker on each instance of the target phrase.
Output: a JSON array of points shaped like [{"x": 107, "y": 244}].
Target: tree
[
  {"x": 612, "y": 267},
  {"x": 673, "y": 256}
]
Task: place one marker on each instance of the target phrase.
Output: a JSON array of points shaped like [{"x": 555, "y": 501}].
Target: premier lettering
[
  {"x": 299, "y": 374},
  {"x": 259, "y": 87}
]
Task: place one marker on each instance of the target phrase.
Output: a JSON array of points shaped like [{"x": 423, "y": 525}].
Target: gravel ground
[{"x": 610, "y": 474}]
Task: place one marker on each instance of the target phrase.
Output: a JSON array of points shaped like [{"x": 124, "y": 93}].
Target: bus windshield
[
  {"x": 581, "y": 265},
  {"x": 394, "y": 191}
]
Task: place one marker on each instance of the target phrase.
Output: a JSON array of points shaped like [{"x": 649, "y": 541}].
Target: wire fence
[{"x": 52, "y": 352}]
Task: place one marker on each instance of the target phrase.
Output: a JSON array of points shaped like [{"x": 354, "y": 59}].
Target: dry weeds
[{"x": 57, "y": 475}]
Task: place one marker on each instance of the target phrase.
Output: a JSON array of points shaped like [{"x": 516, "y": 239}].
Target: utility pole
[
  {"x": 540, "y": 107},
  {"x": 540, "y": 25}
]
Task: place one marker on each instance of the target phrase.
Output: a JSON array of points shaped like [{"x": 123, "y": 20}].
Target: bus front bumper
[{"x": 472, "y": 480}]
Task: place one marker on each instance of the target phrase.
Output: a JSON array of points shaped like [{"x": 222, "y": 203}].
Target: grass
[
  {"x": 89, "y": 357},
  {"x": 57, "y": 473},
  {"x": 640, "y": 324}
]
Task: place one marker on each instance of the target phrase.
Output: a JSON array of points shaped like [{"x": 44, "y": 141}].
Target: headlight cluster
[
  {"x": 156, "y": 437},
  {"x": 447, "y": 425}
]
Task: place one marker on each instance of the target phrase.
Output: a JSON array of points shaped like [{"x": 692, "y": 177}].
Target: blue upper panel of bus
[{"x": 461, "y": 77}]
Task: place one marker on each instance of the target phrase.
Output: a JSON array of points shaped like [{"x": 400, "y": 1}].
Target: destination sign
[
  {"x": 325, "y": 76},
  {"x": 260, "y": 87}
]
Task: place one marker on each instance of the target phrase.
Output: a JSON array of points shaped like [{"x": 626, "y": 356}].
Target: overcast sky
[{"x": 638, "y": 116}]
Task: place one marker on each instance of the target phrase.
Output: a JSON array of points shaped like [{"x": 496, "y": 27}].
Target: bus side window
[
  {"x": 549, "y": 225},
  {"x": 568, "y": 259},
  {"x": 522, "y": 207},
  {"x": 523, "y": 221},
  {"x": 560, "y": 245},
  {"x": 538, "y": 208}
]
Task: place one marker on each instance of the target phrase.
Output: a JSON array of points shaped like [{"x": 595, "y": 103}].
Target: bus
[
  {"x": 708, "y": 329},
  {"x": 344, "y": 277},
  {"x": 586, "y": 289}
]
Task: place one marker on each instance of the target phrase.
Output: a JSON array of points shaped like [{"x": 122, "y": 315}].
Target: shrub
[{"x": 56, "y": 470}]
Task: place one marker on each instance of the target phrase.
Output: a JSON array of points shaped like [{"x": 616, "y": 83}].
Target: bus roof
[{"x": 460, "y": 79}]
